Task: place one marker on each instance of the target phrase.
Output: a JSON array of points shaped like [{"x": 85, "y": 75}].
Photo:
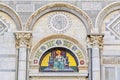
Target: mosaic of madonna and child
[{"x": 58, "y": 60}]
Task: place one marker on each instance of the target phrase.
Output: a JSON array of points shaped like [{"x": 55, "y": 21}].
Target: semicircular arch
[
  {"x": 60, "y": 41},
  {"x": 60, "y": 6},
  {"x": 107, "y": 13},
  {"x": 12, "y": 14}
]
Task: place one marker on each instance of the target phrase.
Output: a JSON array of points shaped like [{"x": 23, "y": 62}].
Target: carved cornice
[
  {"x": 83, "y": 67},
  {"x": 95, "y": 40},
  {"x": 23, "y": 39}
]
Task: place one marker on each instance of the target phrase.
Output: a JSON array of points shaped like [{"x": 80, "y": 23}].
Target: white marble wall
[
  {"x": 25, "y": 9},
  {"x": 7, "y": 49},
  {"x": 7, "y": 57}
]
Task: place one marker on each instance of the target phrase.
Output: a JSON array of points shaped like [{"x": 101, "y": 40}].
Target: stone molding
[
  {"x": 62, "y": 74},
  {"x": 95, "y": 40},
  {"x": 23, "y": 39},
  {"x": 58, "y": 37},
  {"x": 83, "y": 68}
]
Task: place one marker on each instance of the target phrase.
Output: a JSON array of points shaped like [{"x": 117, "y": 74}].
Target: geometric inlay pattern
[
  {"x": 114, "y": 26},
  {"x": 117, "y": 28},
  {"x": 59, "y": 22},
  {"x": 3, "y": 27}
]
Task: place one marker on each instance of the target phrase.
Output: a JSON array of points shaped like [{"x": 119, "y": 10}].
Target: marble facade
[{"x": 88, "y": 30}]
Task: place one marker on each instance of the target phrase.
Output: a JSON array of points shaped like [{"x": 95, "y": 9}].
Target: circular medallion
[
  {"x": 59, "y": 22},
  {"x": 35, "y": 61},
  {"x": 81, "y": 62}
]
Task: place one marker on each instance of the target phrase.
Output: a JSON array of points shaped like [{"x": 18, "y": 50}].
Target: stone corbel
[
  {"x": 95, "y": 40},
  {"x": 23, "y": 39}
]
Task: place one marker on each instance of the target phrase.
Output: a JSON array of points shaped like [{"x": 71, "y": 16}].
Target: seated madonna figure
[{"x": 59, "y": 60}]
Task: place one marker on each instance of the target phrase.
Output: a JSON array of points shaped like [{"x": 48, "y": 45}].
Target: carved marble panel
[{"x": 111, "y": 60}]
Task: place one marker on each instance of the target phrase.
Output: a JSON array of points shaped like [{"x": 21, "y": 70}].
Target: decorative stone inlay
[
  {"x": 82, "y": 62},
  {"x": 23, "y": 39},
  {"x": 117, "y": 28},
  {"x": 95, "y": 40},
  {"x": 3, "y": 27},
  {"x": 58, "y": 42},
  {"x": 114, "y": 25},
  {"x": 111, "y": 60},
  {"x": 59, "y": 22},
  {"x": 74, "y": 48}
]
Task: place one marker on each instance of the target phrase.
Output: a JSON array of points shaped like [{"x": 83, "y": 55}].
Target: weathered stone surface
[
  {"x": 91, "y": 5},
  {"x": 25, "y": 7}
]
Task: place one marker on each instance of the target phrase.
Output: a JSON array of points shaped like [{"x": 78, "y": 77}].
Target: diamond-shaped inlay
[
  {"x": 117, "y": 28},
  {"x": 3, "y": 27},
  {"x": 114, "y": 26}
]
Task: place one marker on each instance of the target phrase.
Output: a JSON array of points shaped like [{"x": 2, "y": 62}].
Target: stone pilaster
[
  {"x": 23, "y": 45},
  {"x": 95, "y": 43}
]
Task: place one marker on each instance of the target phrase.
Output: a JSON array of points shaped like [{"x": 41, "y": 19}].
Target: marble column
[
  {"x": 23, "y": 45},
  {"x": 90, "y": 63},
  {"x": 95, "y": 44}
]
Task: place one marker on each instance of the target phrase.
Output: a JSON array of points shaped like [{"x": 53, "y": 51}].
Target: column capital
[
  {"x": 23, "y": 39},
  {"x": 95, "y": 40}
]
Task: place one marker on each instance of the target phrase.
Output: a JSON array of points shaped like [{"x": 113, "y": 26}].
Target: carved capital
[
  {"x": 23, "y": 39},
  {"x": 95, "y": 40}
]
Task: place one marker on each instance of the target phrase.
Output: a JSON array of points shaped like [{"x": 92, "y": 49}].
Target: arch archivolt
[{"x": 58, "y": 41}]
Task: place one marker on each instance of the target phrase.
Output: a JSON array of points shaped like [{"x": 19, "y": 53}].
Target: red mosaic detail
[
  {"x": 35, "y": 61},
  {"x": 81, "y": 62}
]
